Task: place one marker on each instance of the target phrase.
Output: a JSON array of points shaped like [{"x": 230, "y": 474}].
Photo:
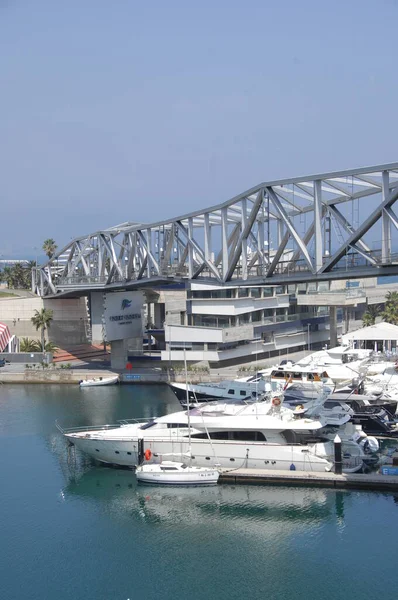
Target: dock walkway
[{"x": 371, "y": 481}]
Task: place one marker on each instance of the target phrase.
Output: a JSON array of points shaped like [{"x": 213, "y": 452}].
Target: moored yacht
[
  {"x": 342, "y": 363},
  {"x": 234, "y": 389},
  {"x": 259, "y": 435}
]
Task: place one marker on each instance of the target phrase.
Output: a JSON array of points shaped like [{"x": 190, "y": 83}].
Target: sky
[{"x": 140, "y": 111}]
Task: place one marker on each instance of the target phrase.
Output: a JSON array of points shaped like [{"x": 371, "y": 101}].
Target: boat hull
[
  {"x": 182, "y": 478},
  {"x": 99, "y": 381},
  {"x": 227, "y": 454}
]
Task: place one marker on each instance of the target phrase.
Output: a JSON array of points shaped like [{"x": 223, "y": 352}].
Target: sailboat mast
[{"x": 187, "y": 398}]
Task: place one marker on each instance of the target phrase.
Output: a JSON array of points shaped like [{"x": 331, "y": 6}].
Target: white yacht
[
  {"x": 234, "y": 389},
  {"x": 300, "y": 383},
  {"x": 342, "y": 363},
  {"x": 259, "y": 435}
]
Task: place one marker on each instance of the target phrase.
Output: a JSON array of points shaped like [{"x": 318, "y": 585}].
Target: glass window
[
  {"x": 248, "y": 436},
  {"x": 280, "y": 289},
  {"x": 243, "y": 292},
  {"x": 278, "y": 374},
  {"x": 232, "y": 392},
  {"x": 242, "y": 392}
]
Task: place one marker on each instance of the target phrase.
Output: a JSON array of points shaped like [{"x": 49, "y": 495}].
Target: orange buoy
[
  {"x": 276, "y": 401},
  {"x": 148, "y": 454}
]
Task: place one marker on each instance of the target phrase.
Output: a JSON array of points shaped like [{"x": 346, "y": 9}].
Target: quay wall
[{"x": 61, "y": 376}]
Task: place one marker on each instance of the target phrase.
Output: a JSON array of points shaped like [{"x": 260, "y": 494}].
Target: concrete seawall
[{"x": 52, "y": 377}]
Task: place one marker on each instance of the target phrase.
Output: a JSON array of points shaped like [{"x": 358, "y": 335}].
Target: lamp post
[{"x": 35, "y": 278}]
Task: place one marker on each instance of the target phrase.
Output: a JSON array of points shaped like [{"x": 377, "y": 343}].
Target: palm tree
[
  {"x": 369, "y": 317},
  {"x": 48, "y": 347},
  {"x": 390, "y": 312},
  {"x": 27, "y": 344},
  {"x": 49, "y": 247},
  {"x": 42, "y": 320},
  {"x": 7, "y": 276}
]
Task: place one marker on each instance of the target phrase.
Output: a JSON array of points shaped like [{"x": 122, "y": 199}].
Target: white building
[{"x": 218, "y": 324}]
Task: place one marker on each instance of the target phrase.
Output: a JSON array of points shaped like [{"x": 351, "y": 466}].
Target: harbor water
[{"x": 74, "y": 530}]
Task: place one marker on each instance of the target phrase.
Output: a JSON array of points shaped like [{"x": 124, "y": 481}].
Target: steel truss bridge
[{"x": 321, "y": 227}]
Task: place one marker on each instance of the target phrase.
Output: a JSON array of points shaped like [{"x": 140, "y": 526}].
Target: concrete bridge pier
[{"x": 333, "y": 326}]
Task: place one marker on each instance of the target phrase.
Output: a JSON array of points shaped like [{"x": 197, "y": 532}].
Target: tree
[
  {"x": 27, "y": 344},
  {"x": 42, "y": 320},
  {"x": 48, "y": 347},
  {"x": 369, "y": 317},
  {"x": 49, "y": 247},
  {"x": 390, "y": 312}
]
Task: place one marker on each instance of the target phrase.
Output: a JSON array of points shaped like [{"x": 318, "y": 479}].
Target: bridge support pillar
[
  {"x": 333, "y": 325},
  {"x": 118, "y": 354}
]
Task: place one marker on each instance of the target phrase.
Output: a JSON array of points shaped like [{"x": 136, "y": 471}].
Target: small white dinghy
[
  {"x": 176, "y": 473},
  {"x": 99, "y": 381}
]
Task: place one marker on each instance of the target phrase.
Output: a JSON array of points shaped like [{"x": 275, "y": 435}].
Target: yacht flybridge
[{"x": 259, "y": 435}]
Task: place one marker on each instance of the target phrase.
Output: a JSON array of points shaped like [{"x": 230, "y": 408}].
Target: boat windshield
[{"x": 148, "y": 425}]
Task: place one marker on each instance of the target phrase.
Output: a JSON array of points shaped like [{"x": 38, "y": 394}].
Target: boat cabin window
[
  {"x": 231, "y": 391},
  {"x": 242, "y": 392},
  {"x": 296, "y": 375},
  {"x": 248, "y": 436},
  {"x": 175, "y": 425},
  {"x": 168, "y": 468},
  {"x": 331, "y": 404},
  {"x": 241, "y": 436},
  {"x": 278, "y": 374},
  {"x": 148, "y": 425}
]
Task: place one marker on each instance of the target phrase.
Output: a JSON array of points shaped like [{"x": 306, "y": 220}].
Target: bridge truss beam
[{"x": 306, "y": 228}]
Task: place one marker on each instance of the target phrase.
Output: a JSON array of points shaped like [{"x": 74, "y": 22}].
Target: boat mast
[{"x": 187, "y": 398}]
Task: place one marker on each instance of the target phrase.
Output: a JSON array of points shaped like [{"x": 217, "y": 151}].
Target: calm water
[{"x": 71, "y": 530}]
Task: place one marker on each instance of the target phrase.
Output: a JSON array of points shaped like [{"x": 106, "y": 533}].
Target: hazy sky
[{"x": 127, "y": 110}]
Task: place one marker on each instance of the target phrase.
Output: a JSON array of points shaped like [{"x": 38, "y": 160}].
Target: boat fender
[
  {"x": 148, "y": 454},
  {"x": 276, "y": 401}
]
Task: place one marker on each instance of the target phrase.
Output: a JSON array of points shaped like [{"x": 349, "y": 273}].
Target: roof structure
[{"x": 378, "y": 332}]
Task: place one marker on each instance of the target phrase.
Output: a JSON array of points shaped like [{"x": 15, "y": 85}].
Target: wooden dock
[{"x": 360, "y": 481}]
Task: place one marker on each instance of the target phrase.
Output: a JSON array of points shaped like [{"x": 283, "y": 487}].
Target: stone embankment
[{"x": 67, "y": 376}]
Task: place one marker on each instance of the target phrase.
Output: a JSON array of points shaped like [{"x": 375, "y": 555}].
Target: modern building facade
[{"x": 220, "y": 325}]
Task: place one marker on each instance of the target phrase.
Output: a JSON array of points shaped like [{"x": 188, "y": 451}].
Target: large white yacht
[
  {"x": 234, "y": 389},
  {"x": 259, "y": 435},
  {"x": 342, "y": 363},
  {"x": 300, "y": 383}
]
